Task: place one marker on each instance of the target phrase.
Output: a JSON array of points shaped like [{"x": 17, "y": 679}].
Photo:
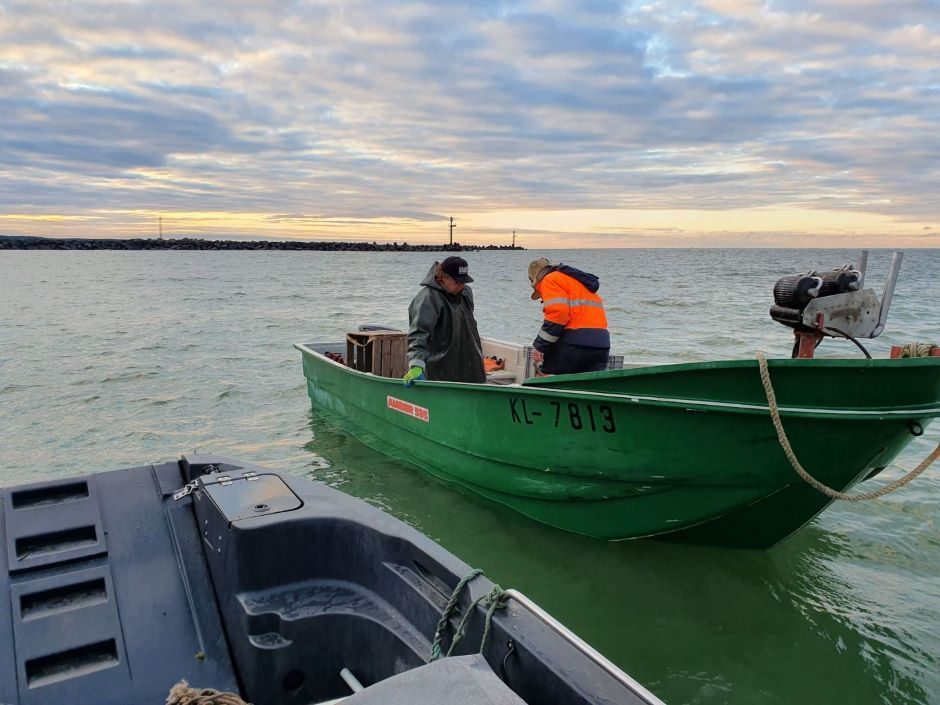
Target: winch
[{"x": 834, "y": 304}]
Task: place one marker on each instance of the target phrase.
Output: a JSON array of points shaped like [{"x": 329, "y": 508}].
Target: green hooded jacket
[{"x": 442, "y": 333}]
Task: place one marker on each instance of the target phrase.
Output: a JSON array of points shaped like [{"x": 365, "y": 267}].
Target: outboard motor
[{"x": 834, "y": 304}]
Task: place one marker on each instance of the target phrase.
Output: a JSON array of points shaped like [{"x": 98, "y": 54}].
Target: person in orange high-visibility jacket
[{"x": 573, "y": 337}]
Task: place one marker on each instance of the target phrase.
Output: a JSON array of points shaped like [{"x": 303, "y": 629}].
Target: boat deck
[
  {"x": 513, "y": 356},
  {"x": 102, "y": 574},
  {"x": 277, "y": 617}
]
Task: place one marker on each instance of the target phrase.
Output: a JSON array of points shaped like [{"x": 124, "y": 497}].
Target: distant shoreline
[{"x": 8, "y": 242}]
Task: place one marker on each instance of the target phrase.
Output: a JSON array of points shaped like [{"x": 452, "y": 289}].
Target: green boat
[
  {"x": 687, "y": 450},
  {"x": 683, "y": 451}
]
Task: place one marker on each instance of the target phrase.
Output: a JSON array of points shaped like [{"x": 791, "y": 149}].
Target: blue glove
[{"x": 412, "y": 374}]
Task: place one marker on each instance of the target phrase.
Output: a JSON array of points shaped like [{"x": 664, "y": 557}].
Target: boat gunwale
[{"x": 921, "y": 411}]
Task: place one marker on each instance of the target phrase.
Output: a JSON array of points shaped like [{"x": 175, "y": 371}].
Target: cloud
[{"x": 359, "y": 111}]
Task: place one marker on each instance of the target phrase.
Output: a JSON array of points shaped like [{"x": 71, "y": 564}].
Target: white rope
[
  {"x": 828, "y": 491},
  {"x": 917, "y": 349}
]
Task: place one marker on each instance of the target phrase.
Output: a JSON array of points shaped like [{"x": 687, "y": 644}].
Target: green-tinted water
[{"x": 113, "y": 359}]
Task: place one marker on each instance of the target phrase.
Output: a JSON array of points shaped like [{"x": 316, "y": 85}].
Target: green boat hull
[{"x": 624, "y": 454}]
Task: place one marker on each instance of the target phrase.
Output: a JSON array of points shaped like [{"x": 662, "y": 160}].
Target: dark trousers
[{"x": 563, "y": 358}]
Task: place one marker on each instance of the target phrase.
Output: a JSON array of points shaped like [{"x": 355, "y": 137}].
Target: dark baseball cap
[{"x": 457, "y": 268}]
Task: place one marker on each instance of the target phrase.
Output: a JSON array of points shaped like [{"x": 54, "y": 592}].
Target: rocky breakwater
[{"x": 47, "y": 243}]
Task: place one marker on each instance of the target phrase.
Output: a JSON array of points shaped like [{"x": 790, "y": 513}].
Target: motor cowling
[
  {"x": 793, "y": 293},
  {"x": 834, "y": 304}
]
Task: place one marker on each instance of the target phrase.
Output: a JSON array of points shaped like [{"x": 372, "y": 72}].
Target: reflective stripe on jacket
[{"x": 573, "y": 312}]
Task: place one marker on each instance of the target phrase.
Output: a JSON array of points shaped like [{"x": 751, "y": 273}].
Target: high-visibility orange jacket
[{"x": 573, "y": 311}]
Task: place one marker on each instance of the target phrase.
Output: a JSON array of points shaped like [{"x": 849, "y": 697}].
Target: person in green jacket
[{"x": 443, "y": 341}]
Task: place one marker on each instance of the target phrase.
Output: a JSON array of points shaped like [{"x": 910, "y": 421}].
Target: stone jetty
[{"x": 47, "y": 243}]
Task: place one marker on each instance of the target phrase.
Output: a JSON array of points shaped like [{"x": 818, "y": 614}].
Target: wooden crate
[{"x": 381, "y": 352}]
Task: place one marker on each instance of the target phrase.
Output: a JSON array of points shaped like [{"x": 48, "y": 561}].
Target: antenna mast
[{"x": 452, "y": 226}]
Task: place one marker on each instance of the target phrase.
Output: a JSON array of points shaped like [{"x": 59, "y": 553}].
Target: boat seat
[
  {"x": 457, "y": 680},
  {"x": 500, "y": 377}
]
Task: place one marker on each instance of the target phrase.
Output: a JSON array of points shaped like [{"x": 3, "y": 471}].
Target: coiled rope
[
  {"x": 182, "y": 694},
  {"x": 917, "y": 349},
  {"x": 828, "y": 491},
  {"x": 495, "y": 599}
]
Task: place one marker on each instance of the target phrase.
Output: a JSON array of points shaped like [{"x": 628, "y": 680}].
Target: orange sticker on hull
[{"x": 406, "y": 407}]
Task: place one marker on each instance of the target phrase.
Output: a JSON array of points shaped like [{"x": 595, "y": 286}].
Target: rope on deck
[
  {"x": 182, "y": 694},
  {"x": 828, "y": 491},
  {"x": 917, "y": 349},
  {"x": 494, "y": 599}
]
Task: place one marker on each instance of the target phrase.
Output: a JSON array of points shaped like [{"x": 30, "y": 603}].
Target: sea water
[{"x": 115, "y": 359}]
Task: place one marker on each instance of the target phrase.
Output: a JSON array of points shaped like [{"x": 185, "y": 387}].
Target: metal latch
[{"x": 186, "y": 490}]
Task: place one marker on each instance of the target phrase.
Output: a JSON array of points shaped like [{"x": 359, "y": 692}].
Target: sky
[{"x": 708, "y": 123}]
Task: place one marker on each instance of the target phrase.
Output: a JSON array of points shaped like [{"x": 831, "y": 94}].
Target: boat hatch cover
[{"x": 250, "y": 495}]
